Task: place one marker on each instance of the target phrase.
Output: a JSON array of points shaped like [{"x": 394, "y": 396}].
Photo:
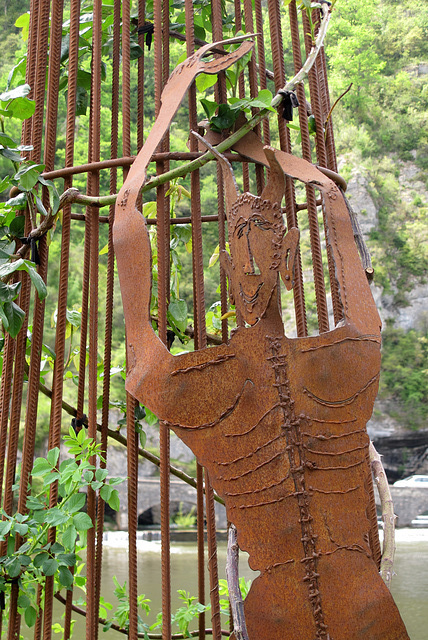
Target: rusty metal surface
[{"x": 279, "y": 423}]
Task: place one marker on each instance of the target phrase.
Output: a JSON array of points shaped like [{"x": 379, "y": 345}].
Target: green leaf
[
  {"x": 7, "y": 141},
  {"x": 9, "y": 292},
  {"x": 82, "y": 100},
  {"x": 65, "y": 576},
  {"x": 136, "y": 50},
  {"x": 101, "y": 474},
  {"x": 178, "y": 311},
  {"x": 10, "y": 154},
  {"x": 22, "y": 108},
  {"x": 143, "y": 438},
  {"x": 18, "y": 202},
  {"x": 5, "y": 527},
  {"x": 39, "y": 559},
  {"x": 41, "y": 467},
  {"x": 69, "y": 537},
  {"x": 14, "y": 568},
  {"x": 23, "y": 22},
  {"x": 68, "y": 559},
  {"x": 17, "y": 225},
  {"x": 50, "y": 566},
  {"x": 106, "y": 492},
  {"x": 113, "y": 501},
  {"x": 36, "y": 279},
  {"x": 14, "y": 316},
  {"x": 34, "y": 504},
  {"x": 19, "y": 68},
  {"x": 225, "y": 118},
  {"x": 4, "y": 184},
  {"x": 204, "y": 81},
  {"x": 30, "y": 615},
  {"x": 23, "y": 601},
  {"x": 82, "y": 521},
  {"x": 28, "y": 180},
  {"x": 56, "y": 516},
  {"x": 21, "y": 528},
  {"x": 53, "y": 455},
  {"x": 209, "y": 107},
  {"x": 19, "y": 92},
  {"x": 74, "y": 317},
  {"x": 76, "y": 502}
]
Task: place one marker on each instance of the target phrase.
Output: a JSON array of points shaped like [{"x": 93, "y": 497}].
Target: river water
[{"x": 409, "y": 587}]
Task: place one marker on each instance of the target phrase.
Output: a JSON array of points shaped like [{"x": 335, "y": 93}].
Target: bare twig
[
  {"x": 359, "y": 241},
  {"x": 235, "y": 595},
  {"x": 388, "y": 516},
  {"x": 335, "y": 103}
]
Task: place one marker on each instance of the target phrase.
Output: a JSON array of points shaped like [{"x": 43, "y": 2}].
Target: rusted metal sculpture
[{"x": 279, "y": 423}]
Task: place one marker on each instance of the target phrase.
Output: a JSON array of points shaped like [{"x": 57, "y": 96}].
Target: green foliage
[
  {"x": 30, "y": 554},
  {"x": 378, "y": 47},
  {"x": 184, "y": 615},
  {"x": 185, "y": 520},
  {"x": 405, "y": 373}
]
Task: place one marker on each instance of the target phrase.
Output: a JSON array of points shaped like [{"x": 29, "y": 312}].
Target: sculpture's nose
[
  {"x": 249, "y": 260},
  {"x": 250, "y": 265}
]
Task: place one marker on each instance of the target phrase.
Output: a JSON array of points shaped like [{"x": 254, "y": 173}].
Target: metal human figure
[{"x": 278, "y": 422}]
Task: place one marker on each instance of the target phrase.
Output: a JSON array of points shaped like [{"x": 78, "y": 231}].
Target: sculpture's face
[{"x": 256, "y": 232}]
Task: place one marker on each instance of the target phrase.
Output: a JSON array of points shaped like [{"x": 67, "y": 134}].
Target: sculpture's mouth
[{"x": 250, "y": 299}]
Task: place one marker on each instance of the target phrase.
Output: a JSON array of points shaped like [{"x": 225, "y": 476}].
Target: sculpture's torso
[{"x": 282, "y": 434}]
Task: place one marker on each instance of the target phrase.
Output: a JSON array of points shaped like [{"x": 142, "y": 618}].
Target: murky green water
[{"x": 410, "y": 585}]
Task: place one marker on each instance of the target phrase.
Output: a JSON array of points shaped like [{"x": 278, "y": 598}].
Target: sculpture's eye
[{"x": 261, "y": 223}]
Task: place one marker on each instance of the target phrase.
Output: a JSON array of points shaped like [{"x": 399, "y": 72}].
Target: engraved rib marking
[
  {"x": 345, "y": 401},
  {"x": 365, "y": 338},
  {"x": 333, "y": 421},
  {"x": 349, "y": 466},
  {"x": 262, "y": 504},
  {"x": 244, "y": 433},
  {"x": 332, "y": 437},
  {"x": 276, "y": 565},
  {"x": 204, "y": 365},
  {"x": 248, "y": 455},
  {"x": 246, "y": 473},
  {"x": 223, "y": 416},
  {"x": 252, "y": 491},
  {"x": 334, "y": 491},
  {"x": 336, "y": 453}
]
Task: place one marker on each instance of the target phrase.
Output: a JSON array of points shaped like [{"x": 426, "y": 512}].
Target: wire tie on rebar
[
  {"x": 148, "y": 29},
  {"x": 289, "y": 102},
  {"x": 78, "y": 423}
]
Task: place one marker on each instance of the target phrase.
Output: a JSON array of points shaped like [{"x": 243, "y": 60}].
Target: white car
[{"x": 413, "y": 481}]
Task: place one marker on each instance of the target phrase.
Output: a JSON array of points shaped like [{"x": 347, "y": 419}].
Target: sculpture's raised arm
[{"x": 147, "y": 355}]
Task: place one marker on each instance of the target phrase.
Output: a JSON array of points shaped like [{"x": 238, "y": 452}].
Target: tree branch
[
  {"x": 388, "y": 516},
  {"x": 235, "y": 595}
]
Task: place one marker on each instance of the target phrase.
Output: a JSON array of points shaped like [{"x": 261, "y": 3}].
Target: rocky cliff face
[{"x": 404, "y": 451}]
